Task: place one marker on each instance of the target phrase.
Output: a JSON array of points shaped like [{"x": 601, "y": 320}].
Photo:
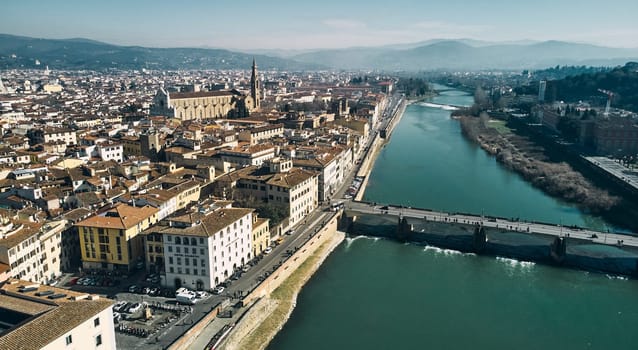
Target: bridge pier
[
  {"x": 557, "y": 250},
  {"x": 403, "y": 229},
  {"x": 480, "y": 239}
]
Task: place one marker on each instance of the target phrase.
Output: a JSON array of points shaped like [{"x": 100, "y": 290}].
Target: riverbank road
[{"x": 499, "y": 223}]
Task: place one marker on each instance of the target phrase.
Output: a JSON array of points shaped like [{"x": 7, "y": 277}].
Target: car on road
[
  {"x": 290, "y": 232},
  {"x": 154, "y": 291},
  {"x": 201, "y": 294},
  {"x": 134, "y": 289},
  {"x": 268, "y": 250},
  {"x": 218, "y": 290},
  {"x": 245, "y": 268}
]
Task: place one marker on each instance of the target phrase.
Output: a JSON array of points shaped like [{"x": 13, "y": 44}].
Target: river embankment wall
[
  {"x": 378, "y": 142},
  {"x": 272, "y": 302}
]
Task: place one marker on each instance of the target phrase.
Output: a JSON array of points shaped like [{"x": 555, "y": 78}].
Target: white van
[{"x": 186, "y": 298}]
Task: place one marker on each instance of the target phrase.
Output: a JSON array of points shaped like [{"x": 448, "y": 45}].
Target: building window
[
  {"x": 96, "y": 322},
  {"x": 69, "y": 339},
  {"x": 98, "y": 340}
]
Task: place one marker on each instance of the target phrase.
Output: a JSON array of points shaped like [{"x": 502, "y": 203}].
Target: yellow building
[
  {"x": 110, "y": 239},
  {"x": 185, "y": 193},
  {"x": 131, "y": 145},
  {"x": 260, "y": 235}
]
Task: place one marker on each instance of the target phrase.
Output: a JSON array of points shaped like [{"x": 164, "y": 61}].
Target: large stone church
[{"x": 201, "y": 105}]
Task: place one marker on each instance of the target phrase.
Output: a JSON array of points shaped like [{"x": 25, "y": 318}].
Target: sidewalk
[{"x": 216, "y": 325}]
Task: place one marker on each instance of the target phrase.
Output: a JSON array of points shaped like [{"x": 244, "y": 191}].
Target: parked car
[
  {"x": 134, "y": 308},
  {"x": 154, "y": 291},
  {"x": 245, "y": 268},
  {"x": 201, "y": 294},
  {"x": 182, "y": 290},
  {"x": 268, "y": 250},
  {"x": 218, "y": 290},
  {"x": 119, "y": 305},
  {"x": 134, "y": 289}
]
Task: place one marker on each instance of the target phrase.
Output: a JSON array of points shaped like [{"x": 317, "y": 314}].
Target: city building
[
  {"x": 246, "y": 154},
  {"x": 260, "y": 235},
  {"x": 32, "y": 250},
  {"x": 262, "y": 133},
  {"x": 198, "y": 105},
  {"x": 52, "y": 134},
  {"x": 331, "y": 164},
  {"x": 204, "y": 247},
  {"x": 47, "y": 318},
  {"x": 110, "y": 240},
  {"x": 277, "y": 182}
]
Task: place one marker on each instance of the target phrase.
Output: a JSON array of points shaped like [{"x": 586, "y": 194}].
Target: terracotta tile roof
[
  {"x": 121, "y": 216},
  {"x": 180, "y": 95},
  {"x": 210, "y": 223},
  {"x": 23, "y": 306},
  {"x": 292, "y": 178},
  {"x": 52, "y": 318},
  {"x": 28, "y": 230}
]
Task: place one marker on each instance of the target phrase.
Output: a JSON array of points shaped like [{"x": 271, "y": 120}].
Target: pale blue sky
[{"x": 253, "y": 24}]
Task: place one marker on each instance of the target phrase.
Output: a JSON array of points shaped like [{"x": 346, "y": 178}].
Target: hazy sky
[{"x": 299, "y": 24}]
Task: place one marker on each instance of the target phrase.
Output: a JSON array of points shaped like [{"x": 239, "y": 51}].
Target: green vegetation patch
[{"x": 500, "y": 126}]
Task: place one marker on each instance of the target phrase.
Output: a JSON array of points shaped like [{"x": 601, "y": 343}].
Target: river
[{"x": 378, "y": 294}]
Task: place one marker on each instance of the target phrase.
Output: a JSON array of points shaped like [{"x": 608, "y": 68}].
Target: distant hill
[
  {"x": 470, "y": 54},
  {"x": 79, "y": 53}
]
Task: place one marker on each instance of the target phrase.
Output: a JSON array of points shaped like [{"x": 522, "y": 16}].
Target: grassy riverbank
[
  {"x": 529, "y": 160},
  {"x": 260, "y": 325}
]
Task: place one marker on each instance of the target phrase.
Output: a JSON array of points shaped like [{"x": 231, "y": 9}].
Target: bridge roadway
[{"x": 521, "y": 226}]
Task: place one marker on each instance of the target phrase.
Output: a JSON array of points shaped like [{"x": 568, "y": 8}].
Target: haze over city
[{"x": 329, "y": 24}]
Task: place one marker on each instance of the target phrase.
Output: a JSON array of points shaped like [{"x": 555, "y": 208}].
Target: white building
[
  {"x": 331, "y": 164},
  {"x": 246, "y": 154},
  {"x": 110, "y": 151},
  {"x": 32, "y": 250},
  {"x": 51, "y": 134},
  {"x": 50, "y": 318},
  {"x": 204, "y": 248}
]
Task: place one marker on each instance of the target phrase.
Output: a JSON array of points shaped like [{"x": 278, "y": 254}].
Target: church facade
[{"x": 202, "y": 105}]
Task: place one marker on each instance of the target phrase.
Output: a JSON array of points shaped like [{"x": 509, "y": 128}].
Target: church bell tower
[{"x": 255, "y": 87}]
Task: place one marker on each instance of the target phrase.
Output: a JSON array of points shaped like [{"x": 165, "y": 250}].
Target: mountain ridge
[{"x": 434, "y": 54}]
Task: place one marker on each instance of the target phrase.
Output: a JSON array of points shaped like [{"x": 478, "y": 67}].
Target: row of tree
[{"x": 414, "y": 87}]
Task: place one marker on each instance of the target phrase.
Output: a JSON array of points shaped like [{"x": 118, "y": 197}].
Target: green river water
[{"x": 379, "y": 294}]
